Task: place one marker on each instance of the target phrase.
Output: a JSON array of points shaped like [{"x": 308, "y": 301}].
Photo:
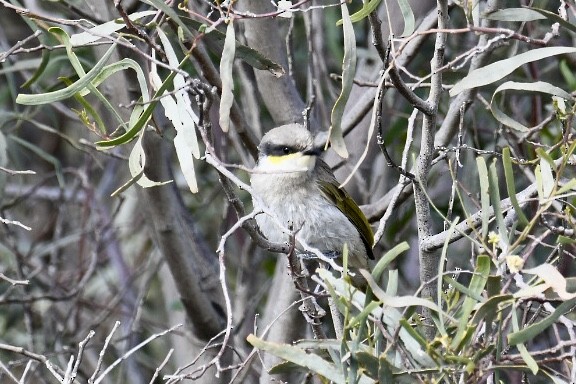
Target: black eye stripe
[{"x": 278, "y": 150}]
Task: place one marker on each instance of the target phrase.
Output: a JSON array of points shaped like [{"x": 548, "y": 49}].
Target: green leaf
[
  {"x": 215, "y": 42},
  {"x": 215, "y": 38},
  {"x": 532, "y": 331},
  {"x": 136, "y": 164},
  {"x": 103, "y": 30},
  {"x": 570, "y": 185},
  {"x": 367, "y": 9},
  {"x": 348, "y": 72},
  {"x": 568, "y": 75},
  {"x": 498, "y": 70},
  {"x": 408, "y": 16},
  {"x": 511, "y": 185},
  {"x": 63, "y": 94},
  {"x": 226, "y": 64},
  {"x": 556, "y": 19},
  {"x": 441, "y": 267},
  {"x": 367, "y": 362},
  {"x": 388, "y": 258},
  {"x": 538, "y": 86},
  {"x": 88, "y": 108},
  {"x": 490, "y": 308},
  {"x": 476, "y": 286},
  {"x": 565, "y": 240},
  {"x": 43, "y": 155},
  {"x": 484, "y": 196},
  {"x": 3, "y": 150},
  {"x": 145, "y": 116},
  {"x": 528, "y": 359},
  {"x": 515, "y": 14},
  {"x": 384, "y": 370},
  {"x": 546, "y": 175},
  {"x": 298, "y": 356},
  {"x": 40, "y": 68},
  {"x": 462, "y": 288},
  {"x": 495, "y": 198},
  {"x": 398, "y": 301}
]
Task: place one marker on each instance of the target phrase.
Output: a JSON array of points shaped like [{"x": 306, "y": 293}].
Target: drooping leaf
[
  {"x": 145, "y": 116},
  {"x": 66, "y": 93},
  {"x": 552, "y": 279},
  {"x": 367, "y": 9},
  {"x": 215, "y": 42},
  {"x": 484, "y": 196},
  {"x": 555, "y": 18},
  {"x": 348, "y": 73},
  {"x": 538, "y": 86},
  {"x": 546, "y": 174},
  {"x": 528, "y": 359},
  {"x": 226, "y": 65},
  {"x": 179, "y": 111},
  {"x": 103, "y": 30},
  {"x": 498, "y": 214},
  {"x": 40, "y": 68},
  {"x": 300, "y": 357},
  {"x": 532, "y": 331},
  {"x": 136, "y": 163},
  {"x": 498, "y": 70},
  {"x": 398, "y": 301},
  {"x": 476, "y": 286},
  {"x": 408, "y": 16},
  {"x": 387, "y": 258},
  {"x": 511, "y": 184},
  {"x": 515, "y": 14}
]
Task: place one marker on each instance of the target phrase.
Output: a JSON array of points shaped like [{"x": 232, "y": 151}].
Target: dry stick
[
  {"x": 80, "y": 354},
  {"x": 176, "y": 375},
  {"x": 402, "y": 182},
  {"x": 131, "y": 351},
  {"x": 454, "y": 172},
  {"x": 103, "y": 351},
  {"x": 161, "y": 366}
]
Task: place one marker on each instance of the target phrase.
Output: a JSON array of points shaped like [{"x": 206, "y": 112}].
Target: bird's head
[{"x": 288, "y": 148}]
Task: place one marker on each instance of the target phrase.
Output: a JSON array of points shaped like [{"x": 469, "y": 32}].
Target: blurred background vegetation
[{"x": 92, "y": 239}]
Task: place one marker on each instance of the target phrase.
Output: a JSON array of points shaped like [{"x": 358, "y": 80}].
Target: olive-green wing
[{"x": 346, "y": 205}]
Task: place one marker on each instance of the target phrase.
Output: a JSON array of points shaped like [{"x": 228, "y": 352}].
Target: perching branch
[
  {"x": 429, "y": 260},
  {"x": 466, "y": 226}
]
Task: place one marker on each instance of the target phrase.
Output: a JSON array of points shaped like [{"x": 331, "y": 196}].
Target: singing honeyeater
[{"x": 299, "y": 188}]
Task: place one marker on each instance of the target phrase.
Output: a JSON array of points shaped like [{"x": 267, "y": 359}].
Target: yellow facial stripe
[
  {"x": 294, "y": 162},
  {"x": 277, "y": 160}
]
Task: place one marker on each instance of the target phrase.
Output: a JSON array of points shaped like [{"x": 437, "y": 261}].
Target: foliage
[{"x": 122, "y": 127}]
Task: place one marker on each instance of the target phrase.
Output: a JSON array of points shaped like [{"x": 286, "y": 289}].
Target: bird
[{"x": 294, "y": 184}]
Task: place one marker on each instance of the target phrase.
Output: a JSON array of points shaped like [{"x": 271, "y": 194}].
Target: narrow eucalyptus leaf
[
  {"x": 515, "y": 14},
  {"x": 511, "y": 185},
  {"x": 538, "y": 86},
  {"x": 226, "y": 64},
  {"x": 63, "y": 94},
  {"x": 484, "y": 196},
  {"x": 103, "y": 30},
  {"x": 300, "y": 357},
  {"x": 498, "y": 70},
  {"x": 348, "y": 72}
]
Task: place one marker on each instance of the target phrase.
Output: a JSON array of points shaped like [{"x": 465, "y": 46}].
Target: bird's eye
[{"x": 286, "y": 150}]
